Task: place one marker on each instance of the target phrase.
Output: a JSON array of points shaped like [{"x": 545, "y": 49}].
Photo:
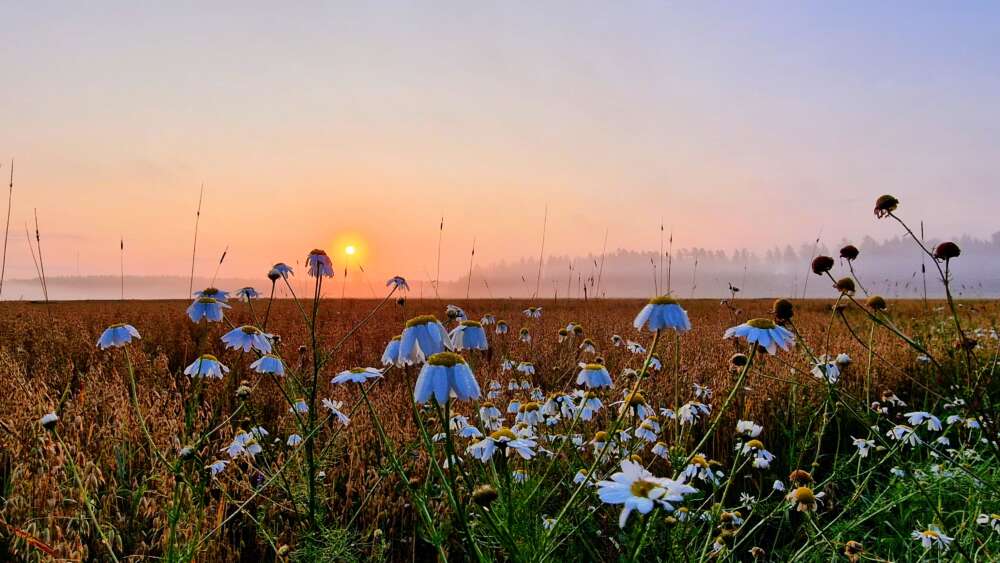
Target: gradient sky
[{"x": 740, "y": 124}]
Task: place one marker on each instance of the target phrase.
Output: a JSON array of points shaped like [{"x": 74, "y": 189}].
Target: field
[{"x": 97, "y": 483}]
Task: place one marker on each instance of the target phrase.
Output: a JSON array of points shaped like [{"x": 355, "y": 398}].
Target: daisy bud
[
  {"x": 48, "y": 421},
  {"x": 947, "y": 251},
  {"x": 757, "y": 552},
  {"x": 849, "y": 252},
  {"x": 783, "y": 310},
  {"x": 484, "y": 495},
  {"x": 822, "y": 265},
  {"x": 885, "y": 205},
  {"x": 845, "y": 286},
  {"x": 876, "y": 303}
]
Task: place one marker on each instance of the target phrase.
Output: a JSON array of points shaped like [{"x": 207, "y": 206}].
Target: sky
[{"x": 322, "y": 125}]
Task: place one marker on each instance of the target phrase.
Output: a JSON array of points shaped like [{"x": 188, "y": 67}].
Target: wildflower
[
  {"x": 654, "y": 363},
  {"x": 800, "y": 477},
  {"x": 580, "y": 476},
  {"x": 49, "y": 420},
  {"x": 748, "y": 428},
  {"x": 863, "y": 445},
  {"x": 662, "y": 312},
  {"x": 699, "y": 468},
  {"x": 455, "y": 313},
  {"x": 445, "y": 374},
  {"x": 876, "y": 303},
  {"x": 507, "y": 441},
  {"x": 247, "y": 293},
  {"x": 319, "y": 264},
  {"x": 691, "y": 411},
  {"x": 217, "y": 467},
  {"x": 280, "y": 270},
  {"x": 885, "y": 205},
  {"x": 827, "y": 370},
  {"x": 593, "y": 376},
  {"x": 764, "y": 333},
  {"x": 502, "y": 327},
  {"x": 246, "y": 338},
  {"x": 548, "y": 523},
  {"x": 117, "y": 335},
  {"x": 533, "y": 312},
  {"x": 527, "y": 368},
  {"x": 206, "y": 365},
  {"x": 762, "y": 458},
  {"x": 903, "y": 433},
  {"x": 845, "y": 286},
  {"x": 991, "y": 520},
  {"x": 661, "y": 449},
  {"x": 356, "y": 375},
  {"x": 932, "y": 537},
  {"x": 294, "y": 440},
  {"x": 804, "y": 499},
  {"x": 853, "y": 550},
  {"x": 588, "y": 346},
  {"x": 212, "y": 292},
  {"x": 646, "y": 432},
  {"x": 398, "y": 282},
  {"x": 778, "y": 486},
  {"x": 916, "y": 418},
  {"x": 843, "y": 360},
  {"x": 529, "y": 413},
  {"x": 488, "y": 319},
  {"x": 390, "y": 357},
  {"x": 591, "y": 404},
  {"x": 634, "y": 347},
  {"x": 897, "y": 472},
  {"x": 422, "y": 337},
  {"x": 334, "y": 408},
  {"x": 702, "y": 392},
  {"x": 524, "y": 335},
  {"x": 469, "y": 335},
  {"x": 206, "y": 308},
  {"x": 519, "y": 475},
  {"x": 243, "y": 443},
  {"x": 638, "y": 489},
  {"x": 299, "y": 406}
]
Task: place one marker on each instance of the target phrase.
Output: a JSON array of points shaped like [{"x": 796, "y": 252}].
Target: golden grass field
[{"x": 49, "y": 361}]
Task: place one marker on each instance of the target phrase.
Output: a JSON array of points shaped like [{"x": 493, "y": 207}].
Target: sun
[{"x": 350, "y": 250}]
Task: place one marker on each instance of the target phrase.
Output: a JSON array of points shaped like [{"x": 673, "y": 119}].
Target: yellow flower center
[
  {"x": 764, "y": 324},
  {"x": 641, "y": 488},
  {"x": 446, "y": 359},
  {"x": 663, "y": 300},
  {"x": 421, "y": 320},
  {"x": 504, "y": 432}
]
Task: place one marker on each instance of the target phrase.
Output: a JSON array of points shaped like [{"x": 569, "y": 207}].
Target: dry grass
[{"x": 48, "y": 356}]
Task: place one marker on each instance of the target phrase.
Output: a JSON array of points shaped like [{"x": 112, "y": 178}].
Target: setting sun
[{"x": 350, "y": 250}]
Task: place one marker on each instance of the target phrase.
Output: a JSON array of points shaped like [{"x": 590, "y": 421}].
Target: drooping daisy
[
  {"x": 526, "y": 368},
  {"x": 661, "y": 313},
  {"x": 637, "y": 489},
  {"x": 916, "y": 418},
  {"x": 246, "y": 338},
  {"x": 594, "y": 376},
  {"x": 932, "y": 537},
  {"x": 356, "y": 375},
  {"x": 748, "y": 428},
  {"x": 319, "y": 264},
  {"x": 524, "y": 335},
  {"x": 390, "y": 357},
  {"x": 335, "y": 410},
  {"x": 206, "y": 308},
  {"x": 214, "y": 293},
  {"x": 422, "y": 337},
  {"x": 490, "y": 416},
  {"x": 905, "y": 434},
  {"x": 49, "y": 420},
  {"x": 646, "y": 431},
  {"x": 519, "y": 475},
  {"x": 455, "y": 313},
  {"x": 398, "y": 282},
  {"x": 217, "y": 467},
  {"x": 529, "y": 413},
  {"x": 588, "y": 346},
  {"x": 469, "y": 335},
  {"x": 299, "y": 406},
  {"x": 580, "y": 476},
  {"x": 280, "y": 270},
  {"x": 294, "y": 440},
  {"x": 591, "y": 404},
  {"x": 863, "y": 445},
  {"x": 634, "y": 347},
  {"x": 488, "y": 319},
  {"x": 206, "y": 365},
  {"x": 507, "y": 441},
  {"x": 247, "y": 293},
  {"x": 533, "y": 312},
  {"x": 991, "y": 520},
  {"x": 827, "y": 370},
  {"x": 502, "y": 327},
  {"x": 804, "y": 499},
  {"x": 117, "y": 335},
  {"x": 445, "y": 374},
  {"x": 702, "y": 392},
  {"x": 661, "y": 449},
  {"x": 268, "y": 364},
  {"x": 700, "y": 468},
  {"x": 617, "y": 341},
  {"x": 761, "y": 458},
  {"x": 764, "y": 333},
  {"x": 692, "y": 411}
]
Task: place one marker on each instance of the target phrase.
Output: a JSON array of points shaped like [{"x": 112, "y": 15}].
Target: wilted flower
[
  {"x": 281, "y": 270},
  {"x": 885, "y": 205},
  {"x": 117, "y": 335},
  {"x": 206, "y": 365},
  {"x": 319, "y": 264},
  {"x": 533, "y": 312},
  {"x": 764, "y": 333},
  {"x": 356, "y": 375},
  {"x": 822, "y": 265},
  {"x": 398, "y": 282},
  {"x": 247, "y": 293},
  {"x": 947, "y": 251},
  {"x": 445, "y": 374},
  {"x": 783, "y": 310},
  {"x": 662, "y": 312},
  {"x": 849, "y": 252},
  {"x": 246, "y": 338},
  {"x": 804, "y": 499}
]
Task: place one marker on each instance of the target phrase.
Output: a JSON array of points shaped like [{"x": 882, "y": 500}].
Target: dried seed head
[
  {"x": 800, "y": 476},
  {"x": 885, "y": 205},
  {"x": 947, "y": 251},
  {"x": 783, "y": 310},
  {"x": 822, "y": 265},
  {"x": 484, "y": 495},
  {"x": 845, "y": 286},
  {"x": 738, "y": 360},
  {"x": 849, "y": 252},
  {"x": 876, "y": 303}
]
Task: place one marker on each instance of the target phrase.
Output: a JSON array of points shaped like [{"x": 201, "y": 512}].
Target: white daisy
[
  {"x": 319, "y": 264},
  {"x": 445, "y": 374},
  {"x": 469, "y": 335},
  {"x": 206, "y": 365},
  {"x": 206, "y": 308},
  {"x": 593, "y": 376},
  {"x": 662, "y": 312},
  {"x": 356, "y": 375},
  {"x": 638, "y": 489},
  {"x": 422, "y": 337},
  {"x": 117, "y": 335},
  {"x": 764, "y": 333},
  {"x": 248, "y": 338}
]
